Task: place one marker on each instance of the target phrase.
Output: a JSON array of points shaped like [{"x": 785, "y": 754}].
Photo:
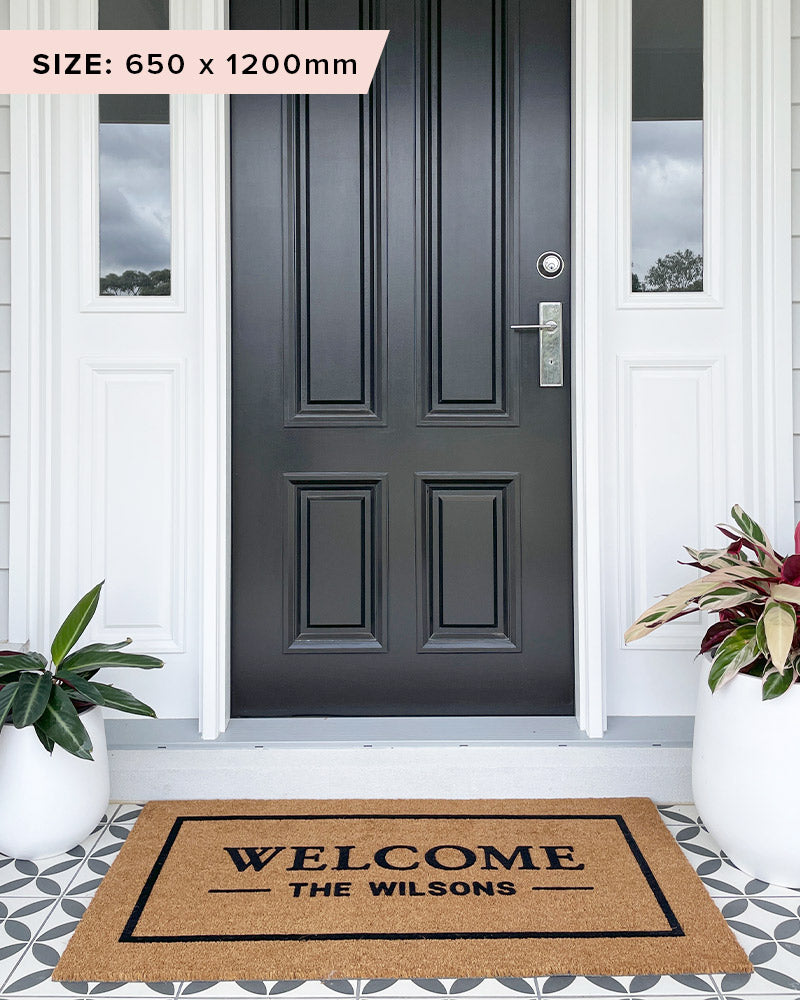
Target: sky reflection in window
[
  {"x": 667, "y": 146},
  {"x": 667, "y": 205},
  {"x": 135, "y": 210},
  {"x": 135, "y": 187}
]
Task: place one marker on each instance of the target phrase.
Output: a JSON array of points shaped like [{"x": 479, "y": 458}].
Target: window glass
[
  {"x": 667, "y": 146},
  {"x": 134, "y": 170}
]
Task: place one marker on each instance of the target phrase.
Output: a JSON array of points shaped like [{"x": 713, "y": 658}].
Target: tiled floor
[{"x": 40, "y": 906}]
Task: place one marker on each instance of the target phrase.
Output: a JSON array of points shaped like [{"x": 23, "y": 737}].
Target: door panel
[
  {"x": 334, "y": 563},
  {"x": 401, "y": 482},
  {"x": 467, "y": 212},
  {"x": 468, "y": 580},
  {"x": 334, "y": 320}
]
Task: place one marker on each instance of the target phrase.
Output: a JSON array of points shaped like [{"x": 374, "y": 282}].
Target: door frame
[{"x": 599, "y": 96}]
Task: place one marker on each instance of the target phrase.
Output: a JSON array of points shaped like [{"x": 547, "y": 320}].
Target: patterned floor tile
[
  {"x": 301, "y": 989},
  {"x": 39, "y": 878},
  {"x": 480, "y": 989},
  {"x": 97, "y": 861},
  {"x": 49, "y": 877},
  {"x": 719, "y": 874},
  {"x": 19, "y": 921},
  {"x": 125, "y": 814},
  {"x": 627, "y": 986},
  {"x": 680, "y": 814},
  {"x": 32, "y": 976},
  {"x": 769, "y": 931}
]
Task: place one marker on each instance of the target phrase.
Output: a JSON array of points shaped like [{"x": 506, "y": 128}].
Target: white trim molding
[
  {"x": 589, "y": 54},
  {"x": 216, "y": 535},
  {"x": 742, "y": 343}
]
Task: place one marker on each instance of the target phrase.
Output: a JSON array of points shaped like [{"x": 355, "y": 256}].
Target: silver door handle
[
  {"x": 551, "y": 354},
  {"x": 550, "y": 325}
]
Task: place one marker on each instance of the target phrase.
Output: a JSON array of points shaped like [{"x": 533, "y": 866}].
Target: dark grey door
[{"x": 401, "y": 481}]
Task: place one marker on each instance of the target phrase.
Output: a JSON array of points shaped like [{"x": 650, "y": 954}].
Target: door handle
[
  {"x": 549, "y": 325},
  {"x": 551, "y": 352}
]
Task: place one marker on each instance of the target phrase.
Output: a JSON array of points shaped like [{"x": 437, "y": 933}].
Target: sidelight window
[
  {"x": 135, "y": 212},
  {"x": 667, "y": 146}
]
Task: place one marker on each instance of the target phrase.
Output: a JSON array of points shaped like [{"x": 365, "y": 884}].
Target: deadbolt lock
[{"x": 550, "y": 264}]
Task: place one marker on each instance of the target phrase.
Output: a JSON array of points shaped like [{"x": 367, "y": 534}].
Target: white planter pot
[
  {"x": 49, "y": 803},
  {"x": 744, "y": 776}
]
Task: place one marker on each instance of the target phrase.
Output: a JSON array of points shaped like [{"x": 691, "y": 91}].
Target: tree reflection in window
[{"x": 681, "y": 271}]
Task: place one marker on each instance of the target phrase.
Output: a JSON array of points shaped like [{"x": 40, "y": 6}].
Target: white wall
[{"x": 5, "y": 338}]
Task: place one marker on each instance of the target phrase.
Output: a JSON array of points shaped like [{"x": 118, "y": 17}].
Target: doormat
[{"x": 324, "y": 889}]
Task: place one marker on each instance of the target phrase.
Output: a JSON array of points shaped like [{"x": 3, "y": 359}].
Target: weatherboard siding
[
  {"x": 796, "y": 245},
  {"x": 5, "y": 338}
]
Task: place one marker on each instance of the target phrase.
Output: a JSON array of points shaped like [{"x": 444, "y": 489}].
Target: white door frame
[{"x": 760, "y": 33}]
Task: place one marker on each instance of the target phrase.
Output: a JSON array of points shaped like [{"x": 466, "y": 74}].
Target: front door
[{"x": 402, "y": 506}]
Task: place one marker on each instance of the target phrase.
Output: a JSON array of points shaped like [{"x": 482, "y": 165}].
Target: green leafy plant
[
  {"x": 50, "y": 695},
  {"x": 756, "y": 595}
]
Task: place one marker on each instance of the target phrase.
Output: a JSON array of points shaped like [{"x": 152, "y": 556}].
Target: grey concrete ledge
[{"x": 317, "y": 733}]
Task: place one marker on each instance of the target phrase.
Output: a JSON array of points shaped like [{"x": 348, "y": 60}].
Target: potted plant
[
  {"x": 54, "y": 783},
  {"x": 747, "y": 725}
]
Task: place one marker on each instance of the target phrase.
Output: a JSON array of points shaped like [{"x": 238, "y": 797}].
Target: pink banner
[{"x": 189, "y": 62}]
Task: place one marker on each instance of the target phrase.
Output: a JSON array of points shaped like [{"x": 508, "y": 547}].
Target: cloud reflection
[
  {"x": 135, "y": 210},
  {"x": 666, "y": 190}
]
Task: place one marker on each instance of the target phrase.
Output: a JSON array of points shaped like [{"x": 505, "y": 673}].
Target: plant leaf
[
  {"x": 673, "y": 604},
  {"x": 7, "y": 694},
  {"x": 44, "y": 739},
  {"x": 75, "y": 624},
  {"x": 714, "y": 558},
  {"x": 97, "y": 659},
  {"x": 124, "y": 701},
  {"x": 78, "y": 686},
  {"x": 763, "y": 550},
  {"x": 725, "y": 597},
  {"x": 749, "y": 527},
  {"x": 775, "y": 684},
  {"x": 761, "y": 637},
  {"x": 33, "y": 692},
  {"x": 727, "y": 669},
  {"x": 734, "y": 652},
  {"x": 715, "y": 634},
  {"x": 61, "y": 723},
  {"x": 21, "y": 661},
  {"x": 785, "y": 592},
  {"x": 780, "y": 621},
  {"x": 94, "y": 647},
  {"x": 759, "y": 667}
]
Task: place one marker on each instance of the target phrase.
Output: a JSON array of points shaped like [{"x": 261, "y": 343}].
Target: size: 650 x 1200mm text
[{"x": 154, "y": 63}]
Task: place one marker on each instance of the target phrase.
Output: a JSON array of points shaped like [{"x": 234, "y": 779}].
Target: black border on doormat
[{"x": 128, "y": 935}]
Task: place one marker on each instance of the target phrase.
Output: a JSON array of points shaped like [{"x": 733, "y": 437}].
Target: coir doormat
[{"x": 249, "y": 890}]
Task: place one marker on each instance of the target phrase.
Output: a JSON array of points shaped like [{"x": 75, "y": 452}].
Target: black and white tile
[{"x": 41, "y": 903}]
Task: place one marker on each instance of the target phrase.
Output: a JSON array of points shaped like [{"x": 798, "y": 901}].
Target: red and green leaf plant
[
  {"x": 755, "y": 593},
  {"x": 51, "y": 694}
]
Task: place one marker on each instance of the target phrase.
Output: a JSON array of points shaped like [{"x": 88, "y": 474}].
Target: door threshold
[
  {"x": 400, "y": 758},
  {"x": 450, "y": 731}
]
